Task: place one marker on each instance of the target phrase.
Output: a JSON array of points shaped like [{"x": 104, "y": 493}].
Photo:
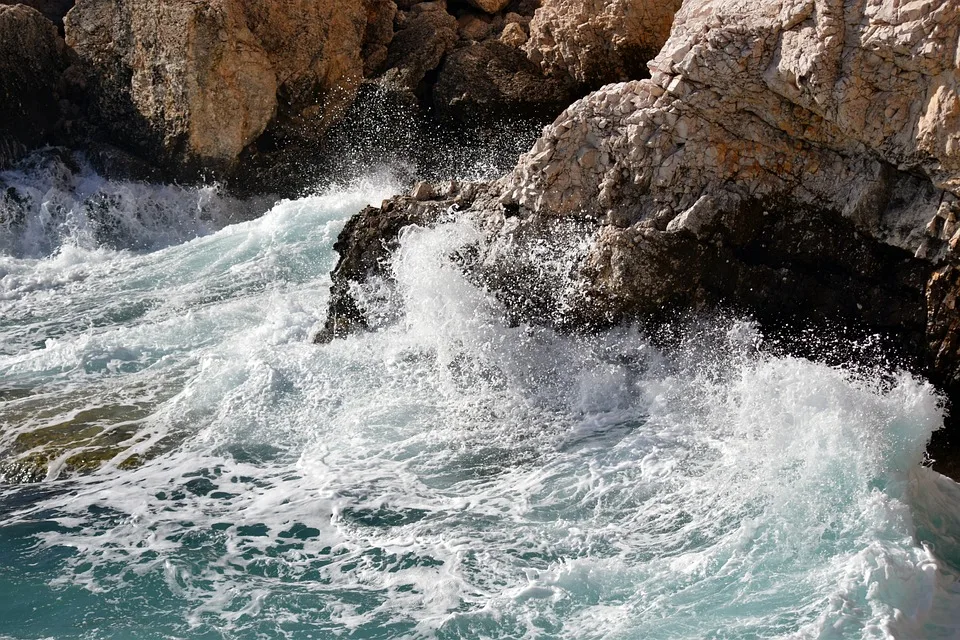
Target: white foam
[{"x": 452, "y": 476}]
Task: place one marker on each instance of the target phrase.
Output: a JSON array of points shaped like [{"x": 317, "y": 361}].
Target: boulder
[
  {"x": 492, "y": 79},
  {"x": 192, "y": 84},
  {"x": 595, "y": 42},
  {"x": 32, "y": 60},
  {"x": 427, "y": 33},
  {"x": 53, "y": 10}
]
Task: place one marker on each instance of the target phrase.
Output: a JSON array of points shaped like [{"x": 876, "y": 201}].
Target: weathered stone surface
[
  {"x": 379, "y": 35},
  {"x": 194, "y": 83},
  {"x": 474, "y": 27},
  {"x": 599, "y": 41},
  {"x": 426, "y": 35},
  {"x": 53, "y": 10},
  {"x": 228, "y": 89},
  {"x": 796, "y": 160},
  {"x": 490, "y": 6},
  {"x": 513, "y": 35},
  {"x": 492, "y": 78},
  {"x": 32, "y": 59},
  {"x": 759, "y": 103}
]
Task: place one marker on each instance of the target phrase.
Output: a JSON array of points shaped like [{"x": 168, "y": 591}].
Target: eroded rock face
[
  {"x": 493, "y": 78},
  {"x": 32, "y": 59},
  {"x": 796, "y": 160},
  {"x": 227, "y": 89},
  {"x": 194, "y": 83},
  {"x": 53, "y": 10},
  {"x": 596, "y": 42},
  {"x": 425, "y": 36},
  {"x": 839, "y": 114}
]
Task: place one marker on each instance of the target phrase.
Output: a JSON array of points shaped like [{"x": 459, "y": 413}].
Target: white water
[{"x": 445, "y": 477}]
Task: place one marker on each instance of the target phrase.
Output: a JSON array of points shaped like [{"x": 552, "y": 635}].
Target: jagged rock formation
[
  {"x": 195, "y": 83},
  {"x": 32, "y": 58},
  {"x": 797, "y": 160},
  {"x": 223, "y": 88},
  {"x": 596, "y": 42}
]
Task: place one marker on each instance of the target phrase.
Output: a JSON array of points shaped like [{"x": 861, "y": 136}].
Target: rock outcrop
[
  {"x": 596, "y": 42},
  {"x": 493, "y": 79},
  {"x": 32, "y": 59},
  {"x": 796, "y": 160},
  {"x": 192, "y": 84},
  {"x": 230, "y": 88}
]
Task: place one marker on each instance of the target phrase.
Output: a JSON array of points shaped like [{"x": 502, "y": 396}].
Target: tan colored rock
[
  {"x": 379, "y": 35},
  {"x": 489, "y": 6},
  {"x": 762, "y": 101},
  {"x": 599, "y": 41},
  {"x": 513, "y": 35},
  {"x": 197, "y": 82},
  {"x": 473, "y": 27}
]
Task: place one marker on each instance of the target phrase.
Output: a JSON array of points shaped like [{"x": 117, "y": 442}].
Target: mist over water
[{"x": 448, "y": 476}]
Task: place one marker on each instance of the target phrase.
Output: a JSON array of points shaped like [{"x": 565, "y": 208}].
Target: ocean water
[{"x": 447, "y": 476}]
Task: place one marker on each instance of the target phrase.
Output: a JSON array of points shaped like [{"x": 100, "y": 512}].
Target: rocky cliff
[
  {"x": 798, "y": 160},
  {"x": 248, "y": 91}
]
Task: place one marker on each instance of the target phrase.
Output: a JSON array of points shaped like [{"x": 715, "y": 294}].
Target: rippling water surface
[{"x": 448, "y": 476}]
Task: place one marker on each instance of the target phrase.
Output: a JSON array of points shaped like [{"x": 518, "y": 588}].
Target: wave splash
[{"x": 451, "y": 476}]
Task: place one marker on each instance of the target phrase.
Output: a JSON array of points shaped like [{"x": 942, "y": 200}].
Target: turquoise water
[{"x": 448, "y": 476}]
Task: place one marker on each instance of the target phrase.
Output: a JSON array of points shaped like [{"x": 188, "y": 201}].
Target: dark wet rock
[
  {"x": 425, "y": 35},
  {"x": 32, "y": 59},
  {"x": 52, "y": 10},
  {"x": 365, "y": 245},
  {"x": 492, "y": 79}
]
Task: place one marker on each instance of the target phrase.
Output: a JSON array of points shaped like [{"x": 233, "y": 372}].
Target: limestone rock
[
  {"x": 32, "y": 59},
  {"x": 194, "y": 83},
  {"x": 797, "y": 160},
  {"x": 599, "y": 41},
  {"x": 513, "y": 35}
]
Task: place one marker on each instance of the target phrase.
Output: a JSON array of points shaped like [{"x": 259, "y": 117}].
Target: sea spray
[{"x": 448, "y": 475}]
